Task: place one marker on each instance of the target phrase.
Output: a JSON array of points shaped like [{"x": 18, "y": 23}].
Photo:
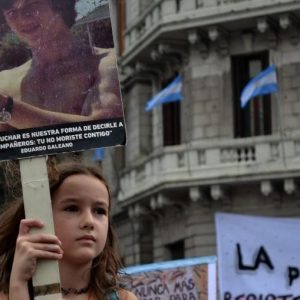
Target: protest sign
[
  {"x": 59, "y": 92},
  {"x": 59, "y": 87},
  {"x": 258, "y": 257},
  {"x": 186, "y": 279}
]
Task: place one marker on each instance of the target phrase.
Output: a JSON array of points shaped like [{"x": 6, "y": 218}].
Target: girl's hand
[{"x": 30, "y": 248}]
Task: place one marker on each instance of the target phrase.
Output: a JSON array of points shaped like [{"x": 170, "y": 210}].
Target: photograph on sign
[
  {"x": 59, "y": 86},
  {"x": 185, "y": 279}
]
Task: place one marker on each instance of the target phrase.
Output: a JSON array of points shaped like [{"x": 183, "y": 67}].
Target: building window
[
  {"x": 178, "y": 5},
  {"x": 175, "y": 250},
  {"x": 255, "y": 118},
  {"x": 171, "y": 123}
]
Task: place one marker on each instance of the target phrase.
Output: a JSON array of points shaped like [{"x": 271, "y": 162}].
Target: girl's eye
[
  {"x": 100, "y": 211},
  {"x": 71, "y": 208}
]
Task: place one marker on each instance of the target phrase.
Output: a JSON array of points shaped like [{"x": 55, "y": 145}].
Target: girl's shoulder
[{"x": 122, "y": 294}]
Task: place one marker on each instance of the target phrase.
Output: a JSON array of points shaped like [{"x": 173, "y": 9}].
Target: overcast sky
[{"x": 85, "y": 6}]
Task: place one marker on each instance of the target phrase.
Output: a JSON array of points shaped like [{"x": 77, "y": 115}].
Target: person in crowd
[{"x": 84, "y": 243}]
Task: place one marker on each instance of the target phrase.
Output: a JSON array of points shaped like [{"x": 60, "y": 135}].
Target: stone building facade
[{"x": 184, "y": 161}]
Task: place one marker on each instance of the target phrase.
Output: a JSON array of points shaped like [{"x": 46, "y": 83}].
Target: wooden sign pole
[{"x": 37, "y": 203}]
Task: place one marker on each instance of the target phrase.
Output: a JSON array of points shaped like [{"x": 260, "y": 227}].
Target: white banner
[{"x": 258, "y": 257}]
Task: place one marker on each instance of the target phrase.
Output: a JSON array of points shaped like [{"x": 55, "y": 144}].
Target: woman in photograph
[{"x": 66, "y": 80}]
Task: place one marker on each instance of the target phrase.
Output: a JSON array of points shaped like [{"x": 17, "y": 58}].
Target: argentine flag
[
  {"x": 171, "y": 93},
  {"x": 262, "y": 84}
]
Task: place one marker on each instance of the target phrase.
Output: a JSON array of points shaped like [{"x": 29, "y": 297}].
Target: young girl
[{"x": 84, "y": 243}]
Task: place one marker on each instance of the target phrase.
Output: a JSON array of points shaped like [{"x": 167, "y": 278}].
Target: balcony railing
[
  {"x": 218, "y": 162},
  {"x": 195, "y": 13}
]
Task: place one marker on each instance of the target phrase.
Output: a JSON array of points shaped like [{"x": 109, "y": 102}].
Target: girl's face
[
  {"x": 34, "y": 21},
  {"x": 80, "y": 212}
]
